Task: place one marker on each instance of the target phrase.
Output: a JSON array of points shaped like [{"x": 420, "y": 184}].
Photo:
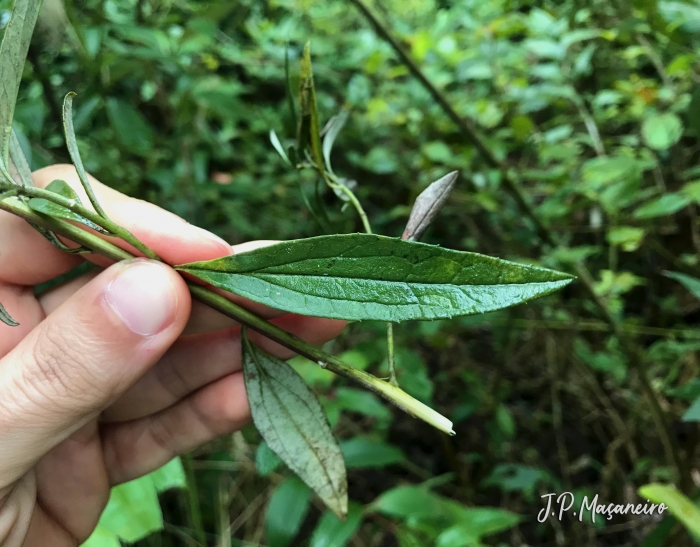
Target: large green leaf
[
  {"x": 13, "y": 52},
  {"x": 361, "y": 276},
  {"x": 678, "y": 505},
  {"x": 294, "y": 425}
]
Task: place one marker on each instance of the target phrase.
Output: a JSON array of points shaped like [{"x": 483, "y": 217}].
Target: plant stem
[
  {"x": 243, "y": 316},
  {"x": 390, "y": 353},
  {"x": 634, "y": 355}
]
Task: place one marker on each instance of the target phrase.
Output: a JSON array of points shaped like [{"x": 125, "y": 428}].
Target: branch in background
[{"x": 633, "y": 353}]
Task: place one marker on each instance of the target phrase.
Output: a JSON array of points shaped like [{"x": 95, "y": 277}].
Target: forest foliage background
[{"x": 591, "y": 108}]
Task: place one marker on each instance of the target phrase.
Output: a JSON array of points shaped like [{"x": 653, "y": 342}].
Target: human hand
[{"x": 112, "y": 375}]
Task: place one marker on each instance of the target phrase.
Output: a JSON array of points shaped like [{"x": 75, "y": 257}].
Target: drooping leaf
[
  {"x": 331, "y": 532},
  {"x": 286, "y": 512},
  {"x": 75, "y": 153},
  {"x": 335, "y": 125},
  {"x": 678, "y": 505},
  {"x": 13, "y": 52},
  {"x": 689, "y": 282},
  {"x": 428, "y": 205},
  {"x": 662, "y": 131},
  {"x": 52, "y": 209},
  {"x": 7, "y": 318},
  {"x": 361, "y": 276},
  {"x": 294, "y": 425}
]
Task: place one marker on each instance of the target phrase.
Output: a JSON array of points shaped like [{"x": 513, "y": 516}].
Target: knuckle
[{"x": 54, "y": 372}]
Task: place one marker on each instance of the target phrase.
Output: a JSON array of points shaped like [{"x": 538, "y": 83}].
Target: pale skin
[{"x": 112, "y": 375}]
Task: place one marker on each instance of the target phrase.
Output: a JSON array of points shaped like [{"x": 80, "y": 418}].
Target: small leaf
[
  {"x": 428, "y": 205},
  {"x": 286, "y": 512},
  {"x": 678, "y": 505},
  {"x": 294, "y": 425},
  {"x": 689, "y": 282},
  {"x": 662, "y": 131},
  {"x": 362, "y": 276},
  {"x": 274, "y": 139},
  {"x": 6, "y": 318},
  {"x": 331, "y": 532},
  {"x": 662, "y": 206},
  {"x": 52, "y": 209},
  {"x": 335, "y": 124},
  {"x": 13, "y": 52}
]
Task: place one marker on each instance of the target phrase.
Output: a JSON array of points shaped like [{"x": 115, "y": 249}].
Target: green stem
[
  {"x": 634, "y": 354},
  {"x": 390, "y": 353},
  {"x": 243, "y": 316}
]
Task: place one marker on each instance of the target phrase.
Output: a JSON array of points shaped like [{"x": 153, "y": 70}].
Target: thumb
[{"x": 83, "y": 356}]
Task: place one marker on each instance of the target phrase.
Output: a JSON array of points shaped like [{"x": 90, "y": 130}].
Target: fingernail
[
  {"x": 213, "y": 237},
  {"x": 143, "y": 296}
]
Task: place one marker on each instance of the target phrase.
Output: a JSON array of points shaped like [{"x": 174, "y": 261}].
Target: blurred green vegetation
[{"x": 593, "y": 107}]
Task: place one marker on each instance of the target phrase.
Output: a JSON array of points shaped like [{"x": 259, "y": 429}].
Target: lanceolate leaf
[
  {"x": 6, "y": 318},
  {"x": 52, "y": 209},
  {"x": 294, "y": 425},
  {"x": 361, "y": 276},
  {"x": 19, "y": 166},
  {"x": 13, "y": 52}
]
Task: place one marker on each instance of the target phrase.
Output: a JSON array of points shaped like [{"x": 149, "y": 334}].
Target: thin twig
[{"x": 98, "y": 245}]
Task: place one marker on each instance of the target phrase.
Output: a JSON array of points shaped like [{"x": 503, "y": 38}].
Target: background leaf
[
  {"x": 130, "y": 127},
  {"x": 286, "y": 512},
  {"x": 689, "y": 282},
  {"x": 662, "y": 131}
]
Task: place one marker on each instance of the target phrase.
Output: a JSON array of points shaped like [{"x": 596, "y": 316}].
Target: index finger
[{"x": 26, "y": 258}]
